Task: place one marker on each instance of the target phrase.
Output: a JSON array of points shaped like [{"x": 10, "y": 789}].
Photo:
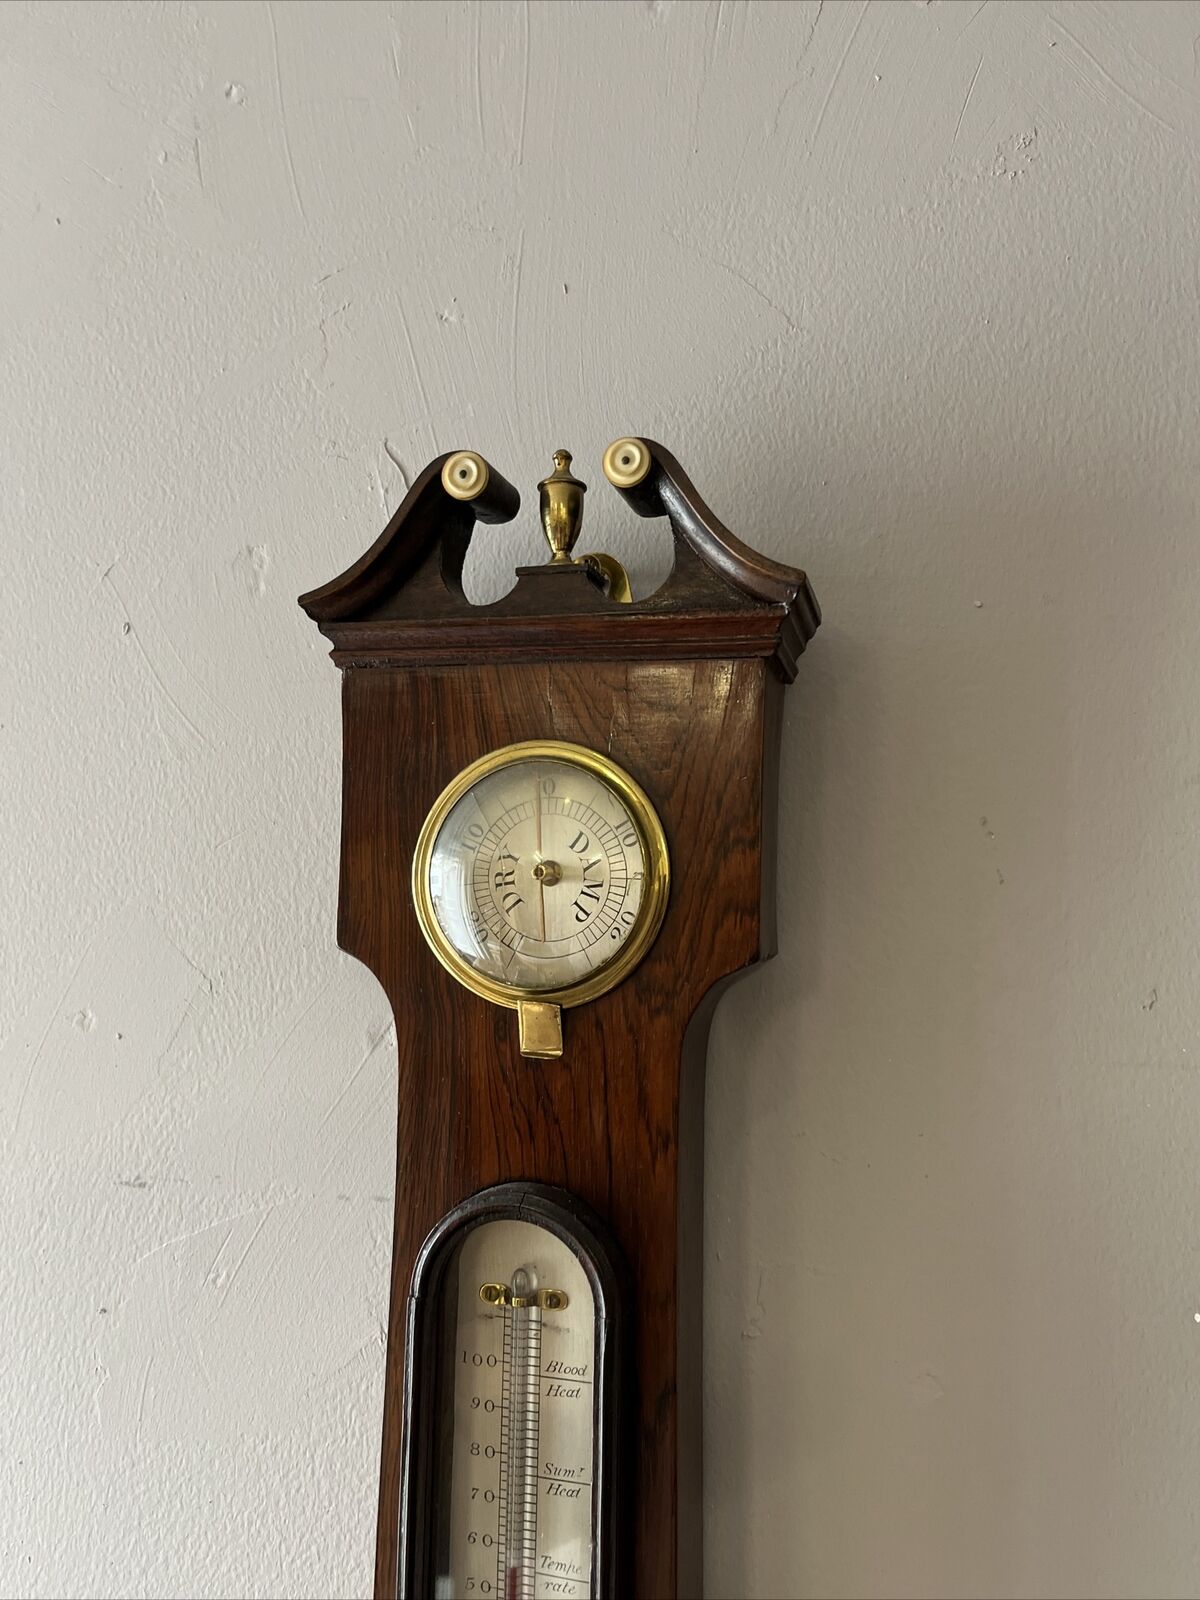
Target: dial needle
[{"x": 541, "y": 882}]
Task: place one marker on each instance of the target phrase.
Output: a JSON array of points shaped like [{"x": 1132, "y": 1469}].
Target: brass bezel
[{"x": 654, "y": 851}]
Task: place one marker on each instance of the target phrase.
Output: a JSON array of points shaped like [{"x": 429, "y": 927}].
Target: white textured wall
[{"x": 912, "y": 291}]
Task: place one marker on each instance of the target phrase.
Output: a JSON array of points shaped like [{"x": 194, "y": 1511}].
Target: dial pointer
[{"x": 541, "y": 881}]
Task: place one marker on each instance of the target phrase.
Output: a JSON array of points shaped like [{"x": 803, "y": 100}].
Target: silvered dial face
[{"x": 537, "y": 874}]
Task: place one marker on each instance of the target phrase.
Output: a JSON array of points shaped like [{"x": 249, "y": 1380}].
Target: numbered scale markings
[
  {"x": 535, "y": 869},
  {"x": 521, "y": 1490}
]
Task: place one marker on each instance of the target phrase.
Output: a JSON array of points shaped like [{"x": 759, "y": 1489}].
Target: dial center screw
[{"x": 548, "y": 873}]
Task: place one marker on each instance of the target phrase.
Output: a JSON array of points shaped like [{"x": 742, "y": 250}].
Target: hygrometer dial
[{"x": 541, "y": 872}]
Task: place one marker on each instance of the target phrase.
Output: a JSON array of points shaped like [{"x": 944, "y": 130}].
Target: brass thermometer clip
[{"x": 500, "y": 1294}]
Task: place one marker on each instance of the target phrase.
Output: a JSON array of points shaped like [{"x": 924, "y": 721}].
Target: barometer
[{"x": 558, "y": 815}]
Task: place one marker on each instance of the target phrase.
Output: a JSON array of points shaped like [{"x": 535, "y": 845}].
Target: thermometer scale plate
[{"x": 524, "y": 1338}]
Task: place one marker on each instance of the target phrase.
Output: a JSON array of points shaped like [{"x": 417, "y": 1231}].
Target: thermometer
[{"x": 519, "y": 1402}]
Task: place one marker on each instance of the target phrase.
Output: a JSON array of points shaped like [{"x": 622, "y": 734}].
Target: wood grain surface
[{"x": 619, "y": 1120}]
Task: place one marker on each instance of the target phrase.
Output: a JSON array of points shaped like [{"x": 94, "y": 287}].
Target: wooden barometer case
[{"x": 558, "y": 818}]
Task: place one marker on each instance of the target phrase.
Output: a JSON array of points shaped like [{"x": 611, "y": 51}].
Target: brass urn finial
[{"x": 560, "y": 497}]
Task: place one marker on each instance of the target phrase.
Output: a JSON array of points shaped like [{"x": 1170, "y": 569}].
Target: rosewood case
[{"x": 683, "y": 689}]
